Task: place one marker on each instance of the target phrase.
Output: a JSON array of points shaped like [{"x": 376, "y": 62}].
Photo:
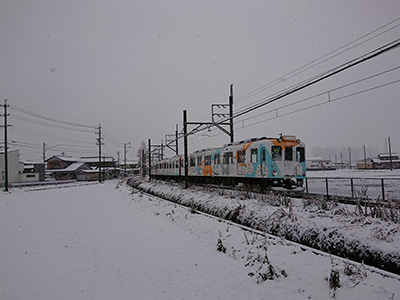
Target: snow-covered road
[{"x": 102, "y": 242}]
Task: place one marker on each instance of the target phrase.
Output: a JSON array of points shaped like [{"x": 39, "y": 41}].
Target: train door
[
  {"x": 289, "y": 163},
  {"x": 300, "y": 161},
  {"x": 217, "y": 164},
  {"x": 192, "y": 165},
  {"x": 227, "y": 164},
  {"x": 263, "y": 163},
  {"x": 241, "y": 162}
]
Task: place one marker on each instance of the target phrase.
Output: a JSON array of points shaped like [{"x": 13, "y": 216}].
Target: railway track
[{"x": 296, "y": 193}]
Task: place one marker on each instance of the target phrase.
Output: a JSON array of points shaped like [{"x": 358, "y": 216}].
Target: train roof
[{"x": 282, "y": 137}]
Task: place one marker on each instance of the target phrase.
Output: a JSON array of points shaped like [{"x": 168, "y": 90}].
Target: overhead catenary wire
[
  {"x": 318, "y": 104},
  {"x": 323, "y": 93},
  {"x": 320, "y": 60},
  {"x": 305, "y": 83},
  {"x": 317, "y": 78},
  {"x": 324, "y": 58}
]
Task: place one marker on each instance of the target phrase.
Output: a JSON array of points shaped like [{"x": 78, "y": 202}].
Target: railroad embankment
[{"x": 364, "y": 234}]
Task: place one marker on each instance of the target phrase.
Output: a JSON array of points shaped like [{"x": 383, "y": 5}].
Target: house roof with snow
[
  {"x": 73, "y": 168},
  {"x": 64, "y": 158},
  {"x": 95, "y": 159}
]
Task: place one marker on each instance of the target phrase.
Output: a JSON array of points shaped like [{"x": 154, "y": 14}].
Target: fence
[{"x": 384, "y": 188}]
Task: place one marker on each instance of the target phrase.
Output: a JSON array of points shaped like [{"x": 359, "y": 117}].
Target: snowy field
[
  {"x": 104, "y": 241},
  {"x": 368, "y": 183}
]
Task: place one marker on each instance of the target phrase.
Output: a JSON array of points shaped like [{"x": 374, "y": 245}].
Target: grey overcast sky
[{"x": 134, "y": 66}]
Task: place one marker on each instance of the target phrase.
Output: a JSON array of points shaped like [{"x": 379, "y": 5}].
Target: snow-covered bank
[
  {"x": 334, "y": 228},
  {"x": 102, "y": 242}
]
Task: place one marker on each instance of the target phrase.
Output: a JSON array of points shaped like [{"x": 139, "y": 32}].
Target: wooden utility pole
[
  {"x": 99, "y": 142},
  {"x": 149, "y": 150},
  {"x": 365, "y": 158},
  {"x": 125, "y": 158},
  {"x": 44, "y": 153},
  {"x": 5, "y": 146},
  {"x": 390, "y": 154},
  {"x": 185, "y": 145},
  {"x": 231, "y": 113},
  {"x": 350, "y": 158}
]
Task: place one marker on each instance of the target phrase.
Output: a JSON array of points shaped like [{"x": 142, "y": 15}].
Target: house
[
  {"x": 367, "y": 163},
  {"x": 93, "y": 161},
  {"x": 15, "y": 167},
  {"x": 87, "y": 175},
  {"x": 60, "y": 162},
  {"x": 35, "y": 171},
  {"x": 387, "y": 161},
  {"x": 19, "y": 172},
  {"x": 70, "y": 172},
  {"x": 318, "y": 164},
  {"x": 383, "y": 161}
]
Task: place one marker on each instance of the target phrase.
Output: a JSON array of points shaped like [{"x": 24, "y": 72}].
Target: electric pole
[
  {"x": 149, "y": 154},
  {"x": 231, "y": 114},
  {"x": 129, "y": 145},
  {"x": 99, "y": 142},
  {"x": 390, "y": 154},
  {"x": 5, "y": 146},
  {"x": 44, "y": 153},
  {"x": 185, "y": 143}
]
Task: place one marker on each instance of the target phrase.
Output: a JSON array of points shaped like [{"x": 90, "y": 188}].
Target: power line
[
  {"x": 372, "y": 54},
  {"x": 49, "y": 125},
  {"x": 319, "y": 61},
  {"x": 17, "y": 128},
  {"x": 318, "y": 104},
  {"x": 322, "y": 76},
  {"x": 51, "y": 119},
  {"x": 322, "y": 93}
]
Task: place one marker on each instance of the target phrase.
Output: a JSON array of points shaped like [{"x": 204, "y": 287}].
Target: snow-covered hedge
[{"x": 334, "y": 228}]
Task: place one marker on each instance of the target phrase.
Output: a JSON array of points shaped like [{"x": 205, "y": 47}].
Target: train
[{"x": 266, "y": 162}]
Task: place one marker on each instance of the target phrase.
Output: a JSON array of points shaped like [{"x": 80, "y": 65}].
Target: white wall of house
[{"x": 15, "y": 168}]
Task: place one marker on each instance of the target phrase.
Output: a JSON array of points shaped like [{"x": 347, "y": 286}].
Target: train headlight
[{"x": 274, "y": 173}]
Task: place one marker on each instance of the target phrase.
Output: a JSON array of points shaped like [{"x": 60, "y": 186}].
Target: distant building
[
  {"x": 15, "y": 168},
  {"x": 35, "y": 171},
  {"x": 93, "y": 161},
  {"x": 319, "y": 164},
  {"x": 367, "y": 163},
  {"x": 383, "y": 161},
  {"x": 70, "y": 172},
  {"x": 18, "y": 172},
  {"x": 60, "y": 162},
  {"x": 87, "y": 175}
]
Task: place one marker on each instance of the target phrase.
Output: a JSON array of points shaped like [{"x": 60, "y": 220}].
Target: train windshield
[
  {"x": 276, "y": 152},
  {"x": 289, "y": 153},
  {"x": 300, "y": 154}
]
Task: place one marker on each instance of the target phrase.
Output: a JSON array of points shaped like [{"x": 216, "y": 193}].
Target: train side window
[
  {"x": 207, "y": 160},
  {"x": 300, "y": 154},
  {"x": 217, "y": 159},
  {"x": 289, "y": 153},
  {"x": 228, "y": 158},
  {"x": 241, "y": 156},
  {"x": 254, "y": 156},
  {"x": 276, "y": 152},
  {"x": 192, "y": 161},
  {"x": 199, "y": 159}
]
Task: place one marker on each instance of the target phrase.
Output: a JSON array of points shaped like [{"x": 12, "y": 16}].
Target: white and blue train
[{"x": 268, "y": 162}]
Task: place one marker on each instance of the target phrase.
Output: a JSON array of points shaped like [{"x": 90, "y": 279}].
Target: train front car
[{"x": 287, "y": 164}]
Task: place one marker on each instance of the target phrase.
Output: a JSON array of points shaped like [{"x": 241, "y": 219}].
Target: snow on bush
[{"x": 352, "y": 232}]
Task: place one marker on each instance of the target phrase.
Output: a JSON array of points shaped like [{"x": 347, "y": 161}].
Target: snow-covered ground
[{"x": 104, "y": 241}]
